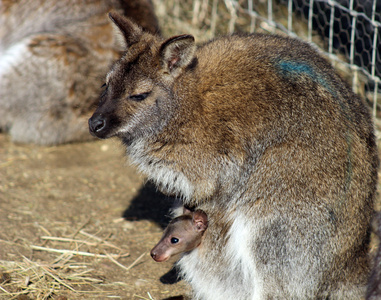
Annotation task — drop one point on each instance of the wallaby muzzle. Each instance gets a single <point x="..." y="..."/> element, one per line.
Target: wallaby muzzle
<point x="97" y="125"/>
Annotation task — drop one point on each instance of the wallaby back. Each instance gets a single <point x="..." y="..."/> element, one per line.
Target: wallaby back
<point x="260" y="133"/>
<point x="53" y="56"/>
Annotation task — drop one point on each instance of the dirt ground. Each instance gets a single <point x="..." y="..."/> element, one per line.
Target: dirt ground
<point x="77" y="221"/>
<point x="79" y="200"/>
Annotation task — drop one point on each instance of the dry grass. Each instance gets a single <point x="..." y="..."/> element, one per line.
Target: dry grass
<point x="45" y="280"/>
<point x="62" y="234"/>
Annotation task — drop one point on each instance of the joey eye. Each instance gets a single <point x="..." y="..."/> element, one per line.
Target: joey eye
<point x="139" y="97"/>
<point x="174" y="240"/>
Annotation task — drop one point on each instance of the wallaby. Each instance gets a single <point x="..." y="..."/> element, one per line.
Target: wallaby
<point x="183" y="234"/>
<point x="260" y="133"/>
<point x="53" y="54"/>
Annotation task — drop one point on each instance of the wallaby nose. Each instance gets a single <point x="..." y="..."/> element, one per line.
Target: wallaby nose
<point x="153" y="254"/>
<point x="96" y="124"/>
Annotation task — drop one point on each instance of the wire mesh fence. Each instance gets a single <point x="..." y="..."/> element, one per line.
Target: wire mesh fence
<point x="348" y="32"/>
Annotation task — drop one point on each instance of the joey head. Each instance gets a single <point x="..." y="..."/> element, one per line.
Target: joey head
<point x="183" y="234"/>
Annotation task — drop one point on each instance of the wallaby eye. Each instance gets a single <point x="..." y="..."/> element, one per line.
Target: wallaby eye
<point x="139" y="97"/>
<point x="104" y="88"/>
<point x="174" y="240"/>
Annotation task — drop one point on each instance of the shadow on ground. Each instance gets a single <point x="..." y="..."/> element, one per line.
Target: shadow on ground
<point x="150" y="204"/>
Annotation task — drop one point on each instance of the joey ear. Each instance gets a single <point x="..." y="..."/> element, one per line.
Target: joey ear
<point x="177" y="52"/>
<point x="200" y="220"/>
<point x="131" y="31"/>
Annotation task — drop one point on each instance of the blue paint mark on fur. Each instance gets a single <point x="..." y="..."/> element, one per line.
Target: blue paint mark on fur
<point x="290" y="66"/>
<point x="293" y="68"/>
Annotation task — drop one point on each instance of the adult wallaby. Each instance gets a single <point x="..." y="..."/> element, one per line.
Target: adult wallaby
<point x="260" y="133"/>
<point x="53" y="55"/>
<point x="183" y="234"/>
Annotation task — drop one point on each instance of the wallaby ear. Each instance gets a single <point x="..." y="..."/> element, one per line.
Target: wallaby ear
<point x="177" y="52"/>
<point x="200" y="220"/>
<point x="131" y="31"/>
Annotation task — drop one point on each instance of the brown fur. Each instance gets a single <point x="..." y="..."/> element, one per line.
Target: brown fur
<point x="374" y="285"/>
<point x="53" y="56"/>
<point x="260" y="133"/>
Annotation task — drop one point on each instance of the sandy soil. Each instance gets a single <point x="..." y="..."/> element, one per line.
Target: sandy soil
<point x="88" y="197"/>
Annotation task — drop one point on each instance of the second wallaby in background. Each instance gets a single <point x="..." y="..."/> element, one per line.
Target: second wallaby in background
<point x="260" y="133"/>
<point x="53" y="55"/>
